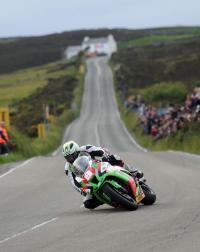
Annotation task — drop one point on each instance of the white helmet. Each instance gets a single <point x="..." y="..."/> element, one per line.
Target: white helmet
<point x="70" y="151"/>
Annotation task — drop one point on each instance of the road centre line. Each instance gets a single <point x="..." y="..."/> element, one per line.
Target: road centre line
<point x="28" y="230"/>
<point x="99" y="103"/>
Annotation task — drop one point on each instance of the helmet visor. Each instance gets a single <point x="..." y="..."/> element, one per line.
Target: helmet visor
<point x="71" y="158"/>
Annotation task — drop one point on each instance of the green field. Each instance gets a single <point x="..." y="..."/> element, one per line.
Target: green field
<point x="163" y="37"/>
<point x="20" y="84"/>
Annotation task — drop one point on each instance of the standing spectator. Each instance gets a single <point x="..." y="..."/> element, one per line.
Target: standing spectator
<point x="3" y="139"/>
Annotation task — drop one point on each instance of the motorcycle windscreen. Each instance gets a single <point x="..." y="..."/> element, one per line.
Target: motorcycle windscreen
<point x="81" y="164"/>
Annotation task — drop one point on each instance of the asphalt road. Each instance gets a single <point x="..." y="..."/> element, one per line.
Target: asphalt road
<point x="40" y="211"/>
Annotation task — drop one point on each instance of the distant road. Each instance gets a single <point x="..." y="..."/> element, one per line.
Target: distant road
<point x="40" y="211"/>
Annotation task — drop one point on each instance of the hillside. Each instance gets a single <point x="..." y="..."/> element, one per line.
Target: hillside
<point x="35" y="51"/>
<point x="142" y="67"/>
<point x="158" y="85"/>
<point x="18" y="53"/>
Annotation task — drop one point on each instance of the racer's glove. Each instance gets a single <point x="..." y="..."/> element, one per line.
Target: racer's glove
<point x="105" y="159"/>
<point x="83" y="193"/>
<point x="138" y="174"/>
<point x="86" y="191"/>
<point x="115" y="160"/>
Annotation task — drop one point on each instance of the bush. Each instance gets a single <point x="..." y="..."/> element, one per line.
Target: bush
<point x="165" y="92"/>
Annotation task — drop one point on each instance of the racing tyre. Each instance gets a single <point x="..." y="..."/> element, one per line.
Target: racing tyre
<point x="119" y="197"/>
<point x="150" y="196"/>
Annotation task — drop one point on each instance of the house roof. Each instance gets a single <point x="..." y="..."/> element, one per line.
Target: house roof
<point x="95" y="41"/>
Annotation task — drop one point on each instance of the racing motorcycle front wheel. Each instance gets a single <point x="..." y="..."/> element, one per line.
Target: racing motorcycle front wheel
<point x="119" y="197"/>
<point x="150" y="196"/>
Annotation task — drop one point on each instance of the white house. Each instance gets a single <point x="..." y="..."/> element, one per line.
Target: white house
<point x="99" y="46"/>
<point x="93" y="46"/>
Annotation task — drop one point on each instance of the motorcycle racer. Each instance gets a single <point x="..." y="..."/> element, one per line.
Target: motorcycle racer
<point x="71" y="151"/>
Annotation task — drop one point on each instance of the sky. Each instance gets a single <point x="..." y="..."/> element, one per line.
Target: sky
<point x="42" y="17"/>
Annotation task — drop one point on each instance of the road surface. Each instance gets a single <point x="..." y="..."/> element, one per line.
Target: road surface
<point x="40" y="211"/>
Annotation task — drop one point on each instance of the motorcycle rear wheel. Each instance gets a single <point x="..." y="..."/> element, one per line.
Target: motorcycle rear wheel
<point x="122" y="199"/>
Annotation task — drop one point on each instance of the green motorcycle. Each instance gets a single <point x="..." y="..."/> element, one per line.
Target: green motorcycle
<point x="113" y="185"/>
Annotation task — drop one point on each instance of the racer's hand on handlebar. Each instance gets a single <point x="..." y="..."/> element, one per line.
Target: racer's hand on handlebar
<point x="86" y="191"/>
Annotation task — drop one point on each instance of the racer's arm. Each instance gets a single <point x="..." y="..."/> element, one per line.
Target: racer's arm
<point x="72" y="178"/>
<point x="79" y="185"/>
<point x="94" y="151"/>
<point x="76" y="182"/>
<point x="102" y="154"/>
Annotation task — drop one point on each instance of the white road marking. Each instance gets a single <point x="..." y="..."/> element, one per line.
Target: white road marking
<point x="125" y="129"/>
<point x="13" y="169"/>
<point x="98" y="75"/>
<point x="131" y="138"/>
<point x="28" y="230"/>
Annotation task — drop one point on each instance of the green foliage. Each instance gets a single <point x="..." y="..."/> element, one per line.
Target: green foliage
<point x="27" y="148"/>
<point x="54" y="135"/>
<point x="165" y="92"/>
<point x="144" y="66"/>
<point x="57" y="93"/>
<point x="64" y="87"/>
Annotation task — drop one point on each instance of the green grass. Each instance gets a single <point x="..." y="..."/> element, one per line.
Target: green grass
<point x="27" y="147"/>
<point x="160" y="38"/>
<point x="22" y="83"/>
<point x="175" y="92"/>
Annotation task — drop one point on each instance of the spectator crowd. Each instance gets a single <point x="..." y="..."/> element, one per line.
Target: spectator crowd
<point x="162" y="122"/>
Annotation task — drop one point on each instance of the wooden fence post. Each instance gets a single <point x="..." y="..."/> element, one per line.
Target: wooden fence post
<point x="41" y="130"/>
<point x="5" y="116"/>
